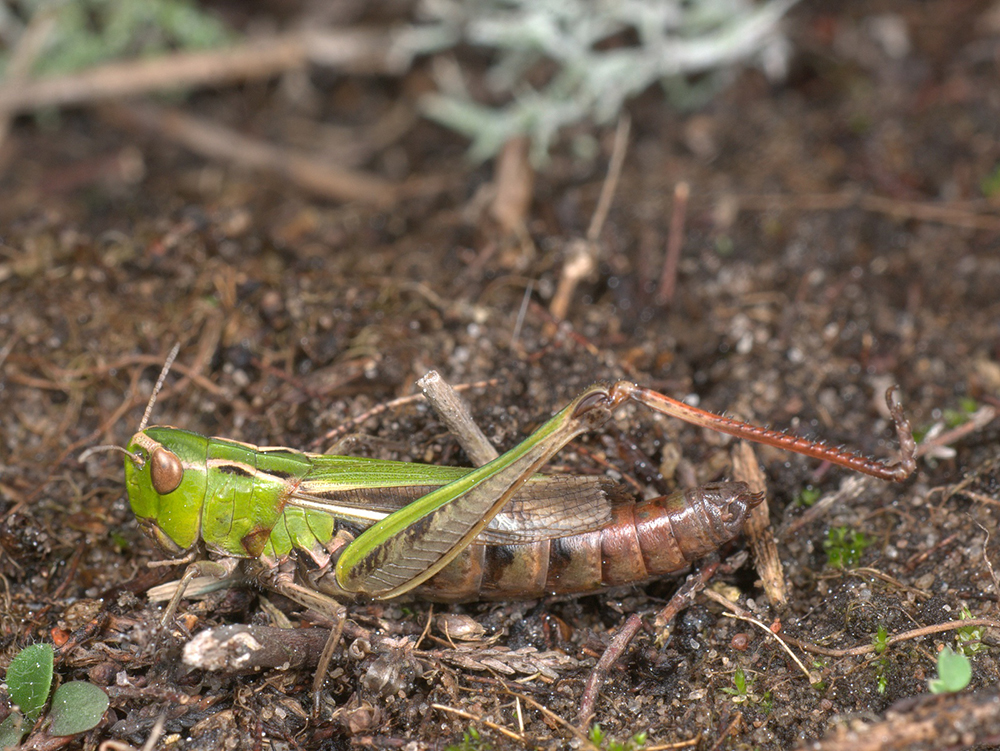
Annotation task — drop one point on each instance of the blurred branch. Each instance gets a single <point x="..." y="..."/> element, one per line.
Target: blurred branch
<point x="217" y="142"/>
<point x="351" y="51"/>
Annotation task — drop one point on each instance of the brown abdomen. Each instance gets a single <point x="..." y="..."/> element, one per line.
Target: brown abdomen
<point x="644" y="540"/>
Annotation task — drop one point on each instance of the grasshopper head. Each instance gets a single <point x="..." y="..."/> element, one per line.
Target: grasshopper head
<point x="165" y="476"/>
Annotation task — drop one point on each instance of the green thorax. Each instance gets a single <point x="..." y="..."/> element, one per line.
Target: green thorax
<point x="246" y="501"/>
<point x="231" y="495"/>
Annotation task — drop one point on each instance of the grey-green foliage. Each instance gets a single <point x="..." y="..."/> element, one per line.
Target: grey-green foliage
<point x="595" y="70"/>
<point x="674" y="39"/>
<point x="88" y="32"/>
<point x="76" y="706"/>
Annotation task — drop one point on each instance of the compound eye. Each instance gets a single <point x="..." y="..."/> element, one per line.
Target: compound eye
<point x="165" y="471"/>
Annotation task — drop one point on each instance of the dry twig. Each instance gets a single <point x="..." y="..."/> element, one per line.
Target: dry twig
<point x="353" y="50"/>
<point x="582" y="259"/>
<point x="492" y="725"/>
<point x="675" y="242"/>
<point x="954" y="215"/>
<point x="378" y="409"/>
<point x="758" y="526"/>
<point x="214" y="141"/>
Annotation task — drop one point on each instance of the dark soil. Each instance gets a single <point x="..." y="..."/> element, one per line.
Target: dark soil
<point x="795" y="307"/>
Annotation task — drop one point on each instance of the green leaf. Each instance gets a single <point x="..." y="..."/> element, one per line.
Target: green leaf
<point x="881" y="640"/>
<point x="12" y="730"/>
<point x="968" y="405"/>
<point x="954" y="672"/>
<point x="807" y="496"/>
<point x="990" y="185"/>
<point x="844" y="547"/>
<point x="29" y="679"/>
<point x="596" y="735"/>
<point x="77" y="707"/>
<point x="970" y="638"/>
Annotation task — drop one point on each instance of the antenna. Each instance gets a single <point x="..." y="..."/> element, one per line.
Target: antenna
<point x="137" y="460"/>
<point x="159" y="385"/>
<point x="85" y="455"/>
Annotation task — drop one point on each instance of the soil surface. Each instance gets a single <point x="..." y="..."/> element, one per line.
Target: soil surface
<point x="841" y="236"/>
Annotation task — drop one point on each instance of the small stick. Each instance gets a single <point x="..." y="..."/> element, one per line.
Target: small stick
<point x="681" y="599"/>
<point x="611" y="182"/>
<point x="346" y="50"/>
<point x="583" y="256"/>
<point x="619" y="643"/>
<point x="954" y="214"/>
<point x="731" y="728"/>
<point x="675" y="242"/>
<point x="241" y="649"/>
<point x="520" y="313"/>
<point x="121" y="363"/>
<point x="8" y="347"/>
<point x="378" y="409"/>
<point x="514" y="187"/>
<point x="214" y="141"/>
<point x="324" y="659"/>
<point x="741" y="614"/>
<point x="758" y="527"/>
<point x="694" y="583"/>
<point x="764" y="627"/>
<point x="553" y="716"/>
<point x="499" y="728"/>
<point x="986" y="560"/>
<point x="977" y="421"/>
<point x="455" y="414"/>
<point x="850" y="490"/>
<point x="934" y="628"/>
<point x="22" y="58"/>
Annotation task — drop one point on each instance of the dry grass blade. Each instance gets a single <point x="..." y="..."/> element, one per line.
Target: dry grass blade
<point x="742" y="615"/>
<point x="492" y="725"/>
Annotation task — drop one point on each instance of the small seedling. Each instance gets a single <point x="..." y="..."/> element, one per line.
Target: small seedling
<point x="950" y="418"/>
<point x="470" y="742"/>
<point x="969" y="638"/>
<point x="807" y="496"/>
<point x="818" y="666"/>
<point x="76" y="706"/>
<point x="844" y="547"/>
<point x="954" y="673"/>
<point x="741" y="688"/>
<point x="967" y="406"/>
<point x="990" y="185"/>
<point x="881" y="676"/>
<point x="120" y="542"/>
<point x="881" y="643"/>
<point x="881" y="640"/>
<point x="596" y="736"/>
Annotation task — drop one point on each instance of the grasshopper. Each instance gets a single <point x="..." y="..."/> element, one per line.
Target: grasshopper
<point x="323" y="529"/>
